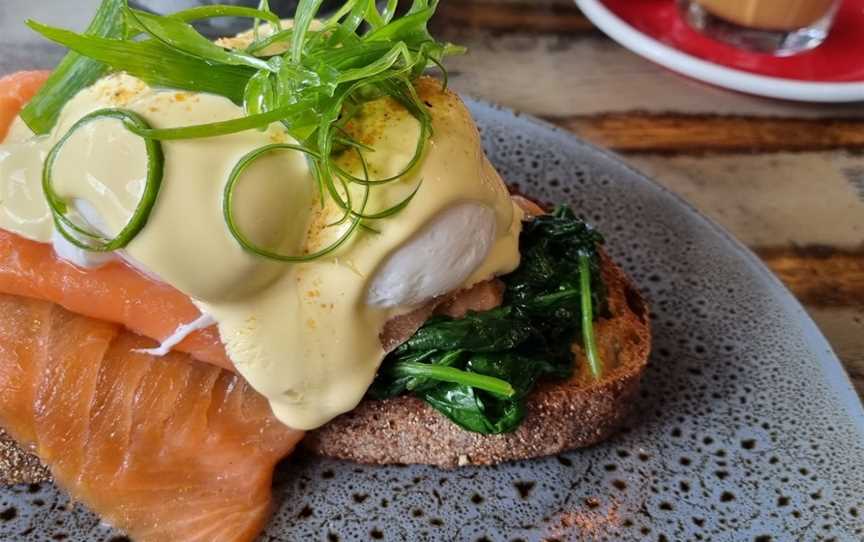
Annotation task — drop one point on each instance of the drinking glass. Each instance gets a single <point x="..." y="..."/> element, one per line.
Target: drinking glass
<point x="777" y="27"/>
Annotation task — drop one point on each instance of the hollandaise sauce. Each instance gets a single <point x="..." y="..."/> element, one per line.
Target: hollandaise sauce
<point x="305" y="334"/>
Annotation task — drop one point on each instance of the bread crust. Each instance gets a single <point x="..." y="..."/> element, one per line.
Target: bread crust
<point x="560" y="415"/>
<point x="404" y="430"/>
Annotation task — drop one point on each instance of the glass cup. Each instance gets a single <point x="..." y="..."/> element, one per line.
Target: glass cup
<point x="777" y="27"/>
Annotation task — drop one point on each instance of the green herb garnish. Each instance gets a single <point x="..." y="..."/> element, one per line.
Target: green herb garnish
<point x="550" y="302"/>
<point x="60" y="208"/>
<point x="476" y="370"/>
<point x="591" y="354"/>
<point x="248" y="244"/>
<point x="75" y="71"/>
<point x="359" y="54"/>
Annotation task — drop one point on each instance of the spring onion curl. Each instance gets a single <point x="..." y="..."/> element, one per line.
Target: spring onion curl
<point x="248" y="244"/>
<point x="330" y="67"/>
<point x="60" y="208"/>
<point x="213" y="129"/>
<point x="595" y="364"/>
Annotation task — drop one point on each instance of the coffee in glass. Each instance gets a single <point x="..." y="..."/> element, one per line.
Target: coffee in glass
<point x="779" y="27"/>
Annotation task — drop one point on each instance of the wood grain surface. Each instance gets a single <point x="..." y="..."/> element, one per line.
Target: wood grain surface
<point x="671" y="132"/>
<point x="786" y="178"/>
<point x="504" y="16"/>
<point x="820" y="276"/>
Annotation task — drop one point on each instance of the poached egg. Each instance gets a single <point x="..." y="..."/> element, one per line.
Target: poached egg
<point x="305" y="335"/>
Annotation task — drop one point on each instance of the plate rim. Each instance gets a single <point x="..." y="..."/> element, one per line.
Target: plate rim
<point x="710" y="72"/>
<point x="610" y="161"/>
<point x="833" y="370"/>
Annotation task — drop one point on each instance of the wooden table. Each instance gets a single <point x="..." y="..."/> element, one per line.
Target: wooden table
<point x="785" y="178"/>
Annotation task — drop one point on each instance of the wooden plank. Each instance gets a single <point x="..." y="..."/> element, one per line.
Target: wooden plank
<point x="642" y="132"/>
<point x="779" y="200"/>
<point x="578" y="74"/>
<point x="819" y="276"/>
<point x="510" y="17"/>
<point x="844" y="329"/>
<point x="802" y="213"/>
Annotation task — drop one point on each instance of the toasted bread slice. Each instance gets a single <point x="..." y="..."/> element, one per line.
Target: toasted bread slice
<point x="19" y="466"/>
<point x="561" y="415"/>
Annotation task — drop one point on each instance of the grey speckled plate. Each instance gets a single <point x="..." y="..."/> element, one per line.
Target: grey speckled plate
<point x="747" y="429"/>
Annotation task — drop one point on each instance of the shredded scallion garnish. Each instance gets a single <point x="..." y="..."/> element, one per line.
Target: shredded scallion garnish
<point x="248" y="244"/>
<point x="153" y="182"/>
<point x="594" y="362"/>
<point x="330" y="67"/>
<point x="442" y="373"/>
<point x="74" y="72"/>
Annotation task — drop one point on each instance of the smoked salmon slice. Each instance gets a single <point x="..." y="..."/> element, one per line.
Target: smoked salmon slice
<point x="15" y="91"/>
<point x="120" y="294"/>
<point x="166" y="449"/>
<point x="114" y="293"/>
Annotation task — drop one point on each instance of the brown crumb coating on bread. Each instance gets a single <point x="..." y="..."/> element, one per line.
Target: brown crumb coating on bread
<point x="18" y="466"/>
<point x="560" y="415"/>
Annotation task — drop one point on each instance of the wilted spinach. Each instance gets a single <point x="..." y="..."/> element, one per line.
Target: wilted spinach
<point x="477" y="370"/>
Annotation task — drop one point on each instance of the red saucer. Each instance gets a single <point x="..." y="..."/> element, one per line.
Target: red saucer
<point x="839" y="59"/>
